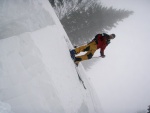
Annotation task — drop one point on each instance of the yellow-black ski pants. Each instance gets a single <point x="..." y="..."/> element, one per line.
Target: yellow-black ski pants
<point x="90" y="48"/>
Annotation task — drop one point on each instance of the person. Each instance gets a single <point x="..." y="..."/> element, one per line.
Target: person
<point x="99" y="42"/>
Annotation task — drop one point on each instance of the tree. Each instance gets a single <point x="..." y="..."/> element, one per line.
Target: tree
<point x="65" y="7"/>
<point x="83" y="19"/>
<point x="83" y="24"/>
<point x="55" y="3"/>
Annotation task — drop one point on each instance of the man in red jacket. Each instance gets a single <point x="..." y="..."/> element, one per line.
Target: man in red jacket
<point x="99" y="42"/>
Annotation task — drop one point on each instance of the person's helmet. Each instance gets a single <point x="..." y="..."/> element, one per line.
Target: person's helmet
<point x="113" y="35"/>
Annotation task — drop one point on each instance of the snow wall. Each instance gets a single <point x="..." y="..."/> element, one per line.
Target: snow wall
<point x="37" y="74"/>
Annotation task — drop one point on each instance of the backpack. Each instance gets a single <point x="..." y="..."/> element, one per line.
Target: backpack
<point x="103" y="35"/>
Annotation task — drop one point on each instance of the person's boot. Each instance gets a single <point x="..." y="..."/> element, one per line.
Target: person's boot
<point x="72" y="53"/>
<point x="77" y="60"/>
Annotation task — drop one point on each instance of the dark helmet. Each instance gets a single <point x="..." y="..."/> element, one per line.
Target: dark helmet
<point x="113" y="35"/>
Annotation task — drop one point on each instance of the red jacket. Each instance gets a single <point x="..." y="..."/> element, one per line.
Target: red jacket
<point x="102" y="41"/>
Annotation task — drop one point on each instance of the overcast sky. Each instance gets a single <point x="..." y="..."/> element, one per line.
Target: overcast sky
<point x="122" y="79"/>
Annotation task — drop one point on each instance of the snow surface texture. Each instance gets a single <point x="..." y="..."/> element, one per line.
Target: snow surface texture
<point x="37" y="74"/>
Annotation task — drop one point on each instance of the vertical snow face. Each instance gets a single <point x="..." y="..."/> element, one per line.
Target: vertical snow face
<point x="37" y="74"/>
<point x="19" y="16"/>
<point x="5" y="108"/>
<point x="25" y="81"/>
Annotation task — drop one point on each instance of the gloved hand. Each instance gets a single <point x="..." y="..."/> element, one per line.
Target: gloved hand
<point x="103" y="56"/>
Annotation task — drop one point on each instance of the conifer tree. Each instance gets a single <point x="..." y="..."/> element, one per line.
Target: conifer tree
<point x="83" y="24"/>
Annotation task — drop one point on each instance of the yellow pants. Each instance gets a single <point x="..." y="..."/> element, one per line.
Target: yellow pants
<point x="90" y="48"/>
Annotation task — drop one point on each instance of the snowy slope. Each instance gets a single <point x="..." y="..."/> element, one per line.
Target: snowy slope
<point x="37" y="74"/>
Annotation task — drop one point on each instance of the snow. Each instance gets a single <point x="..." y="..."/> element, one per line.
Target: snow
<point x="36" y="71"/>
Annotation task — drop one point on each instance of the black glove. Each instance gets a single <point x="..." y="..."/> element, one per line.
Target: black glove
<point x="103" y="56"/>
